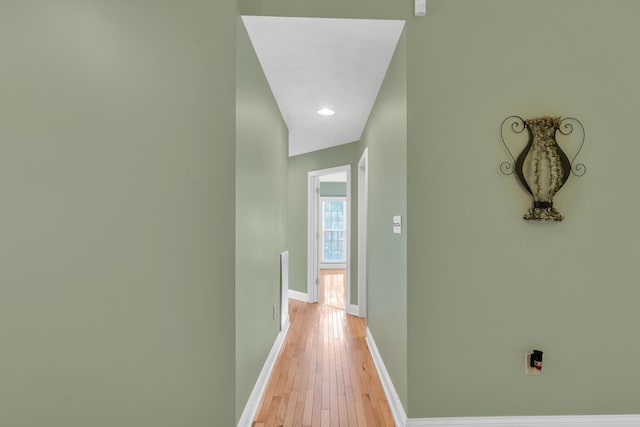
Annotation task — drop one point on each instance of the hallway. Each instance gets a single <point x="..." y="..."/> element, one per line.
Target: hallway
<point x="324" y="375"/>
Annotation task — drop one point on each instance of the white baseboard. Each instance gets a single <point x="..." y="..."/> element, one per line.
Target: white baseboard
<point x="401" y="420"/>
<point x="285" y="323"/>
<point x="251" y="408"/>
<point x="560" y="421"/>
<point x="300" y="296"/>
<point x="361" y="313"/>
<point x="353" y="309"/>
<point x="397" y="410"/>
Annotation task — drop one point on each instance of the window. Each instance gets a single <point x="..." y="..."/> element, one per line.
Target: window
<point x="334" y="230"/>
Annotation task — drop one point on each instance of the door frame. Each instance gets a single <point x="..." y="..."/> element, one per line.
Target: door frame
<point x="363" y="200"/>
<point x="313" y="231"/>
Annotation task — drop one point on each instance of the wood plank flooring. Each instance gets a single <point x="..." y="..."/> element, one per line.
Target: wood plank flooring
<point x="324" y="375"/>
<point x="333" y="284"/>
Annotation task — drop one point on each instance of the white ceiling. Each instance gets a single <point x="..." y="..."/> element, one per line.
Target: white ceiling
<point x="314" y="63"/>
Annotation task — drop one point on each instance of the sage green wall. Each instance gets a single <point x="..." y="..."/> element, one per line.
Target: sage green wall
<point x="478" y="273"/>
<point x="299" y="167"/>
<point x="370" y="9"/>
<point x="485" y="285"/>
<point x="333" y="189"/>
<point x="261" y="213"/>
<point x="386" y="138"/>
<point x="117" y="248"/>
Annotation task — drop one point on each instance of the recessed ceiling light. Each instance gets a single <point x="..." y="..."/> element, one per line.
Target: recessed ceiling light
<point x="326" y="112"/>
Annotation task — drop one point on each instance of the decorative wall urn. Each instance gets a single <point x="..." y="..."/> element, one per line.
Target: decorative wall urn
<point x="542" y="168"/>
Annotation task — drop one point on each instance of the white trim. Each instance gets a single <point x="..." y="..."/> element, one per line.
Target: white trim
<point x="363" y="195"/>
<point x="299" y="296"/>
<point x="559" y="421"/>
<point x="353" y="310"/>
<point x="251" y="408"/>
<point x="397" y="410"/>
<point x="401" y="420"/>
<point x="337" y="177"/>
<point x="333" y="266"/>
<point x="312" y="248"/>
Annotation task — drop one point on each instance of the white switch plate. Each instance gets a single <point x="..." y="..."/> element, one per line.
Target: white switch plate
<point x="528" y="370"/>
<point x="397" y="224"/>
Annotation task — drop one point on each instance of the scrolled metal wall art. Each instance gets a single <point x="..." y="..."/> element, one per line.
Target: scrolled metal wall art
<point x="542" y="168"/>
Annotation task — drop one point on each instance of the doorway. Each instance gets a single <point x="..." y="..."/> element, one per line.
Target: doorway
<point x="329" y="242"/>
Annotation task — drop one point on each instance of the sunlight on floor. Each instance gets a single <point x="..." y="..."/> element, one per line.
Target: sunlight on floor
<point x="333" y="288"/>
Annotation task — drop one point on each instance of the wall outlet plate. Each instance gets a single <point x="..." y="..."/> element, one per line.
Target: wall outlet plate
<point x="528" y="370"/>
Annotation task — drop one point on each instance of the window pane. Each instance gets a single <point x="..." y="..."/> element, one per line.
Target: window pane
<point x="333" y="233"/>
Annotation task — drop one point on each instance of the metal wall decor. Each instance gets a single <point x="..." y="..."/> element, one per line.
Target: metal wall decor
<point x="542" y="168"/>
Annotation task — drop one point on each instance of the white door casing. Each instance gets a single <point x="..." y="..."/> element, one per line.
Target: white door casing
<point x="363" y="194"/>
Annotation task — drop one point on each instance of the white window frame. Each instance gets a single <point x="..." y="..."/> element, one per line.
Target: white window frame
<point x="345" y="231"/>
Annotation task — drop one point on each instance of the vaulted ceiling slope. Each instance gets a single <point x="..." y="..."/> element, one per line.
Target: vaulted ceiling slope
<point x="315" y="63"/>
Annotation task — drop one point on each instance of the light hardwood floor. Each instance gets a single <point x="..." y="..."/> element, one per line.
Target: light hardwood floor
<point x="324" y="375"/>
<point x="333" y="283"/>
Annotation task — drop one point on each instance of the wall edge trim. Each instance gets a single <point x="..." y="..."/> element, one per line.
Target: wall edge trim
<point x="251" y="408"/>
<point x="535" y="421"/>
<point x="298" y="296"/>
<point x="397" y="410"/>
<point x="354" y="310"/>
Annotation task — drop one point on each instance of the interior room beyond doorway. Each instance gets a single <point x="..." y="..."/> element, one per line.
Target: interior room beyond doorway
<point x="333" y="243"/>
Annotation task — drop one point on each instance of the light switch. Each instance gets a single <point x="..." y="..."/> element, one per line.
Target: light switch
<point x="397" y="224"/>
